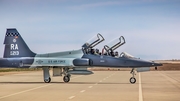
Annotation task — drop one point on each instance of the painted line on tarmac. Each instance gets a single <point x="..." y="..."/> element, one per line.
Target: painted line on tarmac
<point x="82" y="91"/>
<point x="30" y="89"/>
<point x="90" y="86"/>
<point x="24" y="91"/>
<point x="140" y="89"/>
<point x="71" y="97"/>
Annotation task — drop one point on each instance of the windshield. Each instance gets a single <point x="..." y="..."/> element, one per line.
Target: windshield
<point x="126" y="55"/>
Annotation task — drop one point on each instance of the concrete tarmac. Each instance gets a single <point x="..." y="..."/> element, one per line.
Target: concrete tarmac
<point x="101" y="86"/>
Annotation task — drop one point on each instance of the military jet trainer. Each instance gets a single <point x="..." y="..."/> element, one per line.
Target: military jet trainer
<point x="18" y="55"/>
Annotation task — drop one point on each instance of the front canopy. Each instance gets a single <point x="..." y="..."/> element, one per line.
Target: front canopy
<point x="94" y="41"/>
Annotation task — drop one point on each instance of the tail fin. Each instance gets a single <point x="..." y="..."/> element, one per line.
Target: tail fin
<point x="15" y="45"/>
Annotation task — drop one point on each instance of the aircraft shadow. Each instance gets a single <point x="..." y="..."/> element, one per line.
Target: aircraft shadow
<point x="98" y="83"/>
<point x="28" y="82"/>
<point x="64" y="83"/>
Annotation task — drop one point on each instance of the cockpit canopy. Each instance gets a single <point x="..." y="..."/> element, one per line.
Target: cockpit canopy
<point x="88" y="47"/>
<point x="92" y="42"/>
<point x="114" y="44"/>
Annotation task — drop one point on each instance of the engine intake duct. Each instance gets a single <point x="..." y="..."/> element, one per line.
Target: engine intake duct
<point x="81" y="62"/>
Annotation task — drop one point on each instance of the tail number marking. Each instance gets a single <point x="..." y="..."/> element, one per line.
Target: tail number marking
<point x="14" y="52"/>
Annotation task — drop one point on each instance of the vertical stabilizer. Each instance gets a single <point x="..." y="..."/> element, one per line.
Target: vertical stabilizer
<point x="15" y="45"/>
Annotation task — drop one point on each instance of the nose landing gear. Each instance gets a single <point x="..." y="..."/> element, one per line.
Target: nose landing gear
<point x="132" y="80"/>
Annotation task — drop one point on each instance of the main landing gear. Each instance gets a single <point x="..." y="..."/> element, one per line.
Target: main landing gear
<point x="67" y="76"/>
<point x="48" y="80"/>
<point x="132" y="79"/>
<point x="46" y="75"/>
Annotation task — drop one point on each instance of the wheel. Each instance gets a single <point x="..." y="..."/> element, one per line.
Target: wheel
<point x="66" y="79"/>
<point x="47" y="80"/>
<point x="132" y="80"/>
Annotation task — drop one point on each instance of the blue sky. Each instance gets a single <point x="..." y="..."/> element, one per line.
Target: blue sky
<point x="151" y="27"/>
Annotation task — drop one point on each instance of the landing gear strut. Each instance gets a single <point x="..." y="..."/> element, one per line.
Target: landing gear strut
<point x="46" y="74"/>
<point x="132" y="79"/>
<point x="67" y="76"/>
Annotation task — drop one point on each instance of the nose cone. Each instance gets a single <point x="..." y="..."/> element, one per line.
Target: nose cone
<point x="143" y="63"/>
<point x="153" y="64"/>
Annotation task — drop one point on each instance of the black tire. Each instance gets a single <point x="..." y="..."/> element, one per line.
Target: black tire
<point x="47" y="80"/>
<point x="66" y="79"/>
<point x="132" y="80"/>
